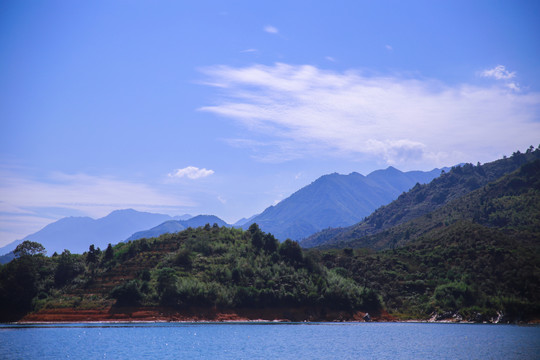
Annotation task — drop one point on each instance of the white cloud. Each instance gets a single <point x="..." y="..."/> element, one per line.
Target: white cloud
<point x="513" y="86"/>
<point x="191" y="172"/>
<point x="305" y="111"/>
<point x="389" y="48"/>
<point x="271" y="29"/>
<point x="499" y="72"/>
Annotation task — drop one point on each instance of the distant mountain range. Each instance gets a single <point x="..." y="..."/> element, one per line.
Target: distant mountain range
<point x="331" y="201"/>
<point x="173" y="226"/>
<point x="335" y="201"/>
<point x="400" y="221"/>
<point x="76" y="234"/>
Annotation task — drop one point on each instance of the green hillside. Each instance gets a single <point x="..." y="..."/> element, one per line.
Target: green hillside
<point x="476" y="256"/>
<point x="464" y="270"/>
<point x="209" y="266"/>
<point x="423" y="199"/>
<point x="510" y="204"/>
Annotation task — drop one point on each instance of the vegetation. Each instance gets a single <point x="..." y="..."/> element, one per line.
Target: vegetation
<point x="475" y="256"/>
<point x="510" y="204"/>
<point x="210" y="266"/>
<point x="422" y="200"/>
<point x="464" y="269"/>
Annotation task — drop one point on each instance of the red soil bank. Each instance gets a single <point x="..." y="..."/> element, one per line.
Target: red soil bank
<point x="198" y="314"/>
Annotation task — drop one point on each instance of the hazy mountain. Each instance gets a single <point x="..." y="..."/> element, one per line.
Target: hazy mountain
<point x="336" y="200"/>
<point x="7" y="257"/>
<point x="182" y="217"/>
<point x="244" y="221"/>
<point x="173" y="226"/>
<point x="77" y="233"/>
<point x="422" y="200"/>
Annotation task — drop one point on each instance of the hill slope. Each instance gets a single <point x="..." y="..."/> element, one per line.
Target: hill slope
<point x="423" y="199"/>
<point x="206" y="268"/>
<point x="336" y="200"/>
<point x="510" y="205"/>
<point x="173" y="226"/>
<point x="474" y="258"/>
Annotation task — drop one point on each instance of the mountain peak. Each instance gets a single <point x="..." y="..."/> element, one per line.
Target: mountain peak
<point x="334" y="200"/>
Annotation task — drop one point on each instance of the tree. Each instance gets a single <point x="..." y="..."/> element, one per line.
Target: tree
<point x="91" y="256"/>
<point x="29" y="248"/>
<point x="109" y="253"/>
<point x="167" y="286"/>
<point x="270" y="244"/>
<point x="256" y="236"/>
<point x="127" y="294"/>
<point x="291" y="251"/>
<point x="69" y="266"/>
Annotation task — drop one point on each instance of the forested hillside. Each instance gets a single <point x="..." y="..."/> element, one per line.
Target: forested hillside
<point x="210" y="266"/>
<point x="423" y="199"/>
<point x="475" y="257"/>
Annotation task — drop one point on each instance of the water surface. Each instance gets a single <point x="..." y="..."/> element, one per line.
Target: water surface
<point x="269" y="341"/>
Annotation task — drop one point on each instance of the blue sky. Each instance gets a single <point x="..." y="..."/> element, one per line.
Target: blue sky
<point x="227" y="107"/>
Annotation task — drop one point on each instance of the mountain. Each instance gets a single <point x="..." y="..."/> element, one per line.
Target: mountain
<point x="336" y="200"/>
<point x="476" y="257"/>
<point x="420" y="201"/>
<point x="76" y="234"/>
<point x="244" y="221"/>
<point x="173" y="226"/>
<point x="182" y="217"/>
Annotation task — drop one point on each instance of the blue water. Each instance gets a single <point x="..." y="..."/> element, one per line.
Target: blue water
<point x="269" y="341"/>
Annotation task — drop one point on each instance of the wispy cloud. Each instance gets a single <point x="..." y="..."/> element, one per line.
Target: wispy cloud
<point x="191" y="172"/>
<point x="271" y="29"/>
<point x="499" y="72"/>
<point x="403" y="121"/>
<point x="389" y="47"/>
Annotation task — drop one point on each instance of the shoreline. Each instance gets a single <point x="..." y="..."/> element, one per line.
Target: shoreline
<point x="194" y="314"/>
<point x="254" y="322"/>
<point x="156" y="315"/>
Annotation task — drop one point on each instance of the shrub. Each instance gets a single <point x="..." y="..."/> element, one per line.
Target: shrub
<point x="127" y="294"/>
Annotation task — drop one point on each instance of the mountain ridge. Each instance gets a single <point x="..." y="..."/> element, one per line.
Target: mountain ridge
<point x="335" y="200"/>
<point x="76" y="234"/>
<point x="423" y="199"/>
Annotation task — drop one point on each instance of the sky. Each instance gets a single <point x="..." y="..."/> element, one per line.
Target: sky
<point x="228" y="107"/>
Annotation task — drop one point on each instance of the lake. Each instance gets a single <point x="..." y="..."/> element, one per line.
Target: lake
<point x="269" y="341"/>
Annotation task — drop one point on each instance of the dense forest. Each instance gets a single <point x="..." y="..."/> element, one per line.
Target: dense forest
<point x="208" y="266"/>
<point x="474" y="256"/>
